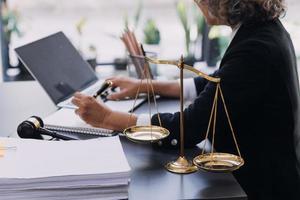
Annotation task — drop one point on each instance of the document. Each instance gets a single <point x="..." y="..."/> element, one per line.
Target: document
<point x="63" y="169"/>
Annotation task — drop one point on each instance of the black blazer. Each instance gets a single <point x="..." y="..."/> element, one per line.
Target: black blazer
<point x="260" y="84"/>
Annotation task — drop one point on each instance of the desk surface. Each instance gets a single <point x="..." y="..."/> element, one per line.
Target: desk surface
<point x="149" y="179"/>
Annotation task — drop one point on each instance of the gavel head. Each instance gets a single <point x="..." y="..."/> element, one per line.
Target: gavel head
<point x="29" y="128"/>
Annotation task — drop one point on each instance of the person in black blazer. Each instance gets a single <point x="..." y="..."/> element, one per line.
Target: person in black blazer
<point x="260" y="83"/>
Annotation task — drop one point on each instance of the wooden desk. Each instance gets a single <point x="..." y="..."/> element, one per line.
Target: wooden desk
<point x="149" y="179"/>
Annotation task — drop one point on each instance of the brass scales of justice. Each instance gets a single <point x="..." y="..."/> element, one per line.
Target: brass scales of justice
<point x="212" y="161"/>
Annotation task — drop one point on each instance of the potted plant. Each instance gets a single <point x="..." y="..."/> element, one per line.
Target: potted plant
<point x="10" y="26"/>
<point x="151" y="37"/>
<point x="151" y="33"/>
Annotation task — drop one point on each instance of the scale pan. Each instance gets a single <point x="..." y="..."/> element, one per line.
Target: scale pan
<point x="146" y="134"/>
<point x="218" y="162"/>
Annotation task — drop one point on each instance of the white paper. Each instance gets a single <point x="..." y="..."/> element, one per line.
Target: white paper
<point x="37" y="158"/>
<point x="66" y="117"/>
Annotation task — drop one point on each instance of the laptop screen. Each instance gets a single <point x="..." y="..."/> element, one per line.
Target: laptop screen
<point x="57" y="66"/>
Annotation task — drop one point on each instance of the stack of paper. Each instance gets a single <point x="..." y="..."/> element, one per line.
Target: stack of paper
<point x="91" y="169"/>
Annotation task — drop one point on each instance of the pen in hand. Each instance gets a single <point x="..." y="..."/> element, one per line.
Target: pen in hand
<point x="104" y="86"/>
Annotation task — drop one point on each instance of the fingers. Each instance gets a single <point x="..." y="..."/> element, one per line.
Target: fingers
<point x="77" y="99"/>
<point x="81" y="100"/>
<point x="116" y="81"/>
<point x="76" y="102"/>
<point x="84" y="103"/>
<point x="117" y="95"/>
<point x="77" y="111"/>
<point x="79" y="95"/>
<point x="89" y="109"/>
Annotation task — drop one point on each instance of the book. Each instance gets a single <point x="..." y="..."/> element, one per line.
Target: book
<point x="65" y="120"/>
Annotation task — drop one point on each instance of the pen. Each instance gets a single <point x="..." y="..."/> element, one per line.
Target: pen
<point x="104" y="86"/>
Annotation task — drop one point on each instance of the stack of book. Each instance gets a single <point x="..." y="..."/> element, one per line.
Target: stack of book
<point x="90" y="169"/>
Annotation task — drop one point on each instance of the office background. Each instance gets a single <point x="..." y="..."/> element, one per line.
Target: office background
<point x="94" y="27"/>
<point x="102" y="22"/>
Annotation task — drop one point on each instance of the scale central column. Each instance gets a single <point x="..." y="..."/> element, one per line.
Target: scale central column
<point x="181" y="165"/>
<point x="181" y="109"/>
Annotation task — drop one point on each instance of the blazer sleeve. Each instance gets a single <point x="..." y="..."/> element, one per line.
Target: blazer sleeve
<point x="243" y="83"/>
<point x="200" y="83"/>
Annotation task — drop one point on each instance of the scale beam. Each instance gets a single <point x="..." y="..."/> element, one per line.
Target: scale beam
<point x="187" y="67"/>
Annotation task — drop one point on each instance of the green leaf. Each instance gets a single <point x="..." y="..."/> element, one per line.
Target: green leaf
<point x="138" y="13"/>
<point x="151" y="33"/>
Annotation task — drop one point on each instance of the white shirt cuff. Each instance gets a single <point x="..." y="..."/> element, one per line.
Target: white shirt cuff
<point x="189" y="95"/>
<point x="189" y="89"/>
<point x="143" y="120"/>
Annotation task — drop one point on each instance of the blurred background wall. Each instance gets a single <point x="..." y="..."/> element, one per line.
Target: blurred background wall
<point x="94" y="26"/>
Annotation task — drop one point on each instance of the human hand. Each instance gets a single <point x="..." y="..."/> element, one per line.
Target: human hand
<point x="91" y="111"/>
<point x="128" y="87"/>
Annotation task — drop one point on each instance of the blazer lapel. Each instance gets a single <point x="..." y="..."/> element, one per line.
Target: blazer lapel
<point x="243" y="33"/>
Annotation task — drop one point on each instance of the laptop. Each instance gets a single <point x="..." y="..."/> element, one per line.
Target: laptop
<point x="55" y="63"/>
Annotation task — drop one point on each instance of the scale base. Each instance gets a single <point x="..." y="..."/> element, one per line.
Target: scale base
<point x="181" y="166"/>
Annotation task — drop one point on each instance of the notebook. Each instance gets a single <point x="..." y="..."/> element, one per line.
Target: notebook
<point x="66" y="121"/>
